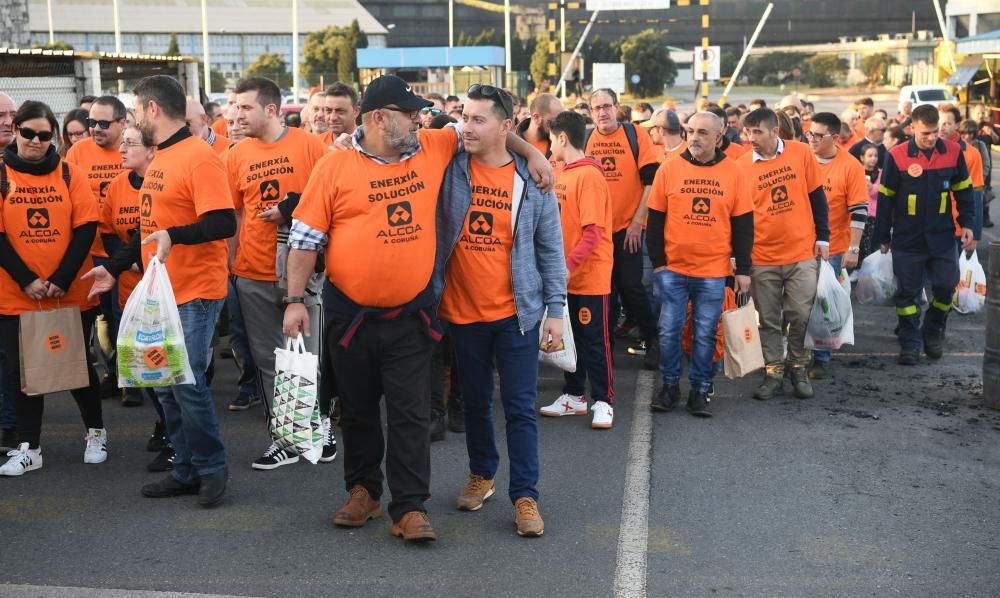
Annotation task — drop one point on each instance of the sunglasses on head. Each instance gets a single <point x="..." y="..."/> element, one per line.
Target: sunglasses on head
<point x="103" y="124"/>
<point x="30" y="134"/>
<point x="496" y="94"/>
<point x="431" y="111"/>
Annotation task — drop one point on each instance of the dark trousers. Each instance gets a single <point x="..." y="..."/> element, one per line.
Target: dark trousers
<point x="389" y="358"/>
<point x="477" y="347"/>
<point x="445" y="393"/>
<point x="942" y="274"/>
<point x="626" y="278"/>
<point x="29" y="409"/>
<point x="593" y="348"/>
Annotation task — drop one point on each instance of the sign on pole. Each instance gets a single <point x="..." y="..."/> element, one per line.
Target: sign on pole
<point x="610" y="75"/>
<point x="714" y="63"/>
<point x="626" y="4"/>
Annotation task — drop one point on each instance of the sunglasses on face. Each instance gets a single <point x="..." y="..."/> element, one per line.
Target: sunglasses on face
<point x="496" y="94"/>
<point x="431" y="111"/>
<point x="30" y="134"/>
<point x="102" y="124"/>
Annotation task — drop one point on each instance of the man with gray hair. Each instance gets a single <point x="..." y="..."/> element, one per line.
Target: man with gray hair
<point x="874" y="134"/>
<point x="7" y="109"/>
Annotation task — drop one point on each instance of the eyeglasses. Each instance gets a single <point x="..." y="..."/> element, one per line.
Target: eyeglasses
<point x="410" y="113"/>
<point x="77" y="134"/>
<point x="103" y="124"/>
<point x="495" y="94"/>
<point x="431" y="111"/>
<point x="30" y="134"/>
<point x="816" y="136"/>
<point x="131" y="144"/>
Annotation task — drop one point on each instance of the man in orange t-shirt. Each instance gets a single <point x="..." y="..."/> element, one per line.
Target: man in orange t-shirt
<point x="197" y="122"/>
<point x="341" y="110"/>
<point x="791" y="229"/>
<point x="585" y="213"/>
<point x="665" y="131"/>
<point x="950" y="118"/>
<point x="183" y="217"/>
<point x="700" y="216"/>
<point x="220" y="126"/>
<point x="846" y="191"/>
<point x="99" y="159"/>
<point x="502" y="262"/>
<point x="535" y="130"/>
<point x="272" y="165"/>
<point x="629" y="172"/>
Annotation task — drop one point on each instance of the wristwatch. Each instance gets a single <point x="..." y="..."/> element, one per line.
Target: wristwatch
<point x="854" y="250"/>
<point x="288" y="300"/>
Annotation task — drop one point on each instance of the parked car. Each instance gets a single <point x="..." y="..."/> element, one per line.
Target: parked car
<point x="934" y="95"/>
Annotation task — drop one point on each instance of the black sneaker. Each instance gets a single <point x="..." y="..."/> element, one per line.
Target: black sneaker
<point x="132" y="398"/>
<point x="639" y="349"/>
<point x="227" y="354"/>
<point x="651" y="360"/>
<point x="697" y="404"/>
<point x="168" y="487"/>
<point x="667" y="399"/>
<point x="456" y="421"/>
<point x="711" y="390"/>
<point x="275" y="457"/>
<point x="243" y="402"/>
<point x="8" y="440"/>
<point x="158" y="439"/>
<point x="909" y="357"/>
<point x="163" y="461"/>
<point x="933" y="344"/>
<point x="109" y="388"/>
<point x="438" y="427"/>
<point x="329" y="442"/>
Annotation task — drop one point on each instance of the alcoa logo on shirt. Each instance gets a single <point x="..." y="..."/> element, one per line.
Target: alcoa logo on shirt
<point x="701" y="208"/>
<point x="399" y="217"/>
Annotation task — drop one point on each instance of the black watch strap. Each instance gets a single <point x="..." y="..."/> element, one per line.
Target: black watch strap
<point x="288" y="300"/>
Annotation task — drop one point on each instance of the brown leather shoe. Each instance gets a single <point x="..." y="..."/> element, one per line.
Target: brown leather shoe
<point x="358" y="509"/>
<point x="414" y="527"/>
<point x="529" y="521"/>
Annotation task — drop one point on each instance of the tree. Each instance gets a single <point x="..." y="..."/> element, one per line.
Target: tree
<point x="331" y="54"/>
<point x="727" y="64"/>
<point x="824" y="70"/>
<point x="876" y="67"/>
<point x="772" y="68"/>
<point x="347" y="64"/>
<point x="273" y="67"/>
<point x="540" y="61"/>
<point x="219" y="81"/>
<point x="172" y="48"/>
<point x="646" y="54"/>
<point x="601" y="51"/>
<point x="56" y="45"/>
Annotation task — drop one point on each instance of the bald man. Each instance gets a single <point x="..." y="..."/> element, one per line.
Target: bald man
<point x="7" y="110"/>
<point x="219" y="126"/>
<point x="535" y="130"/>
<point x="198" y="124"/>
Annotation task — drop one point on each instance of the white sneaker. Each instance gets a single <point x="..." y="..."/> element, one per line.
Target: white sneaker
<point x="604" y="415"/>
<point x="275" y="457"/>
<point x="97" y="446"/>
<point x="565" y="405"/>
<point x="329" y="441"/>
<point x="22" y="459"/>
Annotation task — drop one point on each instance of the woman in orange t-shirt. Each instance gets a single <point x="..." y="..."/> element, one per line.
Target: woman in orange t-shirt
<point x="48" y="220"/>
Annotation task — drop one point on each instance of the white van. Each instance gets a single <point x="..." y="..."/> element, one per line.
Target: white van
<point x="934" y="95"/>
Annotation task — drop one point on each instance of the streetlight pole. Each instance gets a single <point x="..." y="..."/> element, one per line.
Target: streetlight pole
<point x="451" y="44"/>
<point x="295" y="51"/>
<point x="506" y="39"/>
<point x="52" y="35"/>
<point x="204" y="47"/>
<point x="562" y="38"/>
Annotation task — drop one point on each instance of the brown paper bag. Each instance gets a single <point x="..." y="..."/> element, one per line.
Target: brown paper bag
<point x="53" y="351"/>
<point x="742" y="338"/>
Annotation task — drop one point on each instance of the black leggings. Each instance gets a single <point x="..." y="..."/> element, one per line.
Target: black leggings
<point x="29" y="409"/>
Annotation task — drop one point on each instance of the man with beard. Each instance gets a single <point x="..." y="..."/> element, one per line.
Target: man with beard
<point x="197" y="122"/>
<point x="341" y="110"/>
<point x="535" y="130"/>
<point x="316" y="113"/>
<point x="379" y="201"/>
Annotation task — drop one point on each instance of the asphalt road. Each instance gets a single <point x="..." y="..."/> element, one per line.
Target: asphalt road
<point x="885" y="484"/>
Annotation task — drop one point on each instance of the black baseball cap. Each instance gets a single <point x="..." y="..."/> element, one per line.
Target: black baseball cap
<point x="391" y="90"/>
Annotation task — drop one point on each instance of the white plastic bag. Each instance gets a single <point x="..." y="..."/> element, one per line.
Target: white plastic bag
<point x="845" y="281"/>
<point x="831" y="321"/>
<point x="151" y="349"/>
<point x="296" y="423"/>
<point x="970" y="295"/>
<point x="565" y="358"/>
<point x="876" y="284"/>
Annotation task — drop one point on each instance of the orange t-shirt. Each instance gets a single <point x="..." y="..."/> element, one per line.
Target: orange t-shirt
<point x="845" y="186"/>
<point x="38" y="217"/>
<point x="847" y="145"/>
<point x="379" y="218"/>
<point x="119" y="217"/>
<point x="584" y="200"/>
<point x="478" y="286"/>
<point x="670" y="153"/>
<point x="221" y="144"/>
<point x="621" y="171"/>
<point x="698" y="202"/>
<point x="260" y="176"/>
<point x="540" y="145"/>
<point x="734" y="150"/>
<point x="327" y="138"/>
<point x="974" y="162"/>
<point x="784" y="231"/>
<point x="186" y="180"/>
<point x="219" y="127"/>
<point x="100" y="166"/>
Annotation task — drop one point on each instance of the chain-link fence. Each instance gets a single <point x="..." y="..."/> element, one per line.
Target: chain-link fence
<point x="49" y="78"/>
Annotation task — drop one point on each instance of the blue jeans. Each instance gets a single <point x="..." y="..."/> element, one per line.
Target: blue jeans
<point x="477" y="347"/>
<point x="189" y="416"/>
<point x="835" y="262"/>
<point x="8" y="418"/>
<point x="249" y="381"/>
<point x="706" y="296"/>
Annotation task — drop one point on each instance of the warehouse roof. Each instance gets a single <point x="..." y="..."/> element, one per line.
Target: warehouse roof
<point x="184" y="16"/>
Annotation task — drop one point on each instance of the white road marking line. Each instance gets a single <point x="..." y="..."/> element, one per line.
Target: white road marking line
<point x="633" y="534"/>
<point x="896" y="354"/>
<point x="25" y="591"/>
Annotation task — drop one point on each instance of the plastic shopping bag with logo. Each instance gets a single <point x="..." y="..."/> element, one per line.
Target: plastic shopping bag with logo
<point x="831" y="321"/>
<point x="741" y="335"/>
<point x="970" y="295"/>
<point x="151" y="349"/>
<point x="564" y="358"/>
<point x="296" y="423"/>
